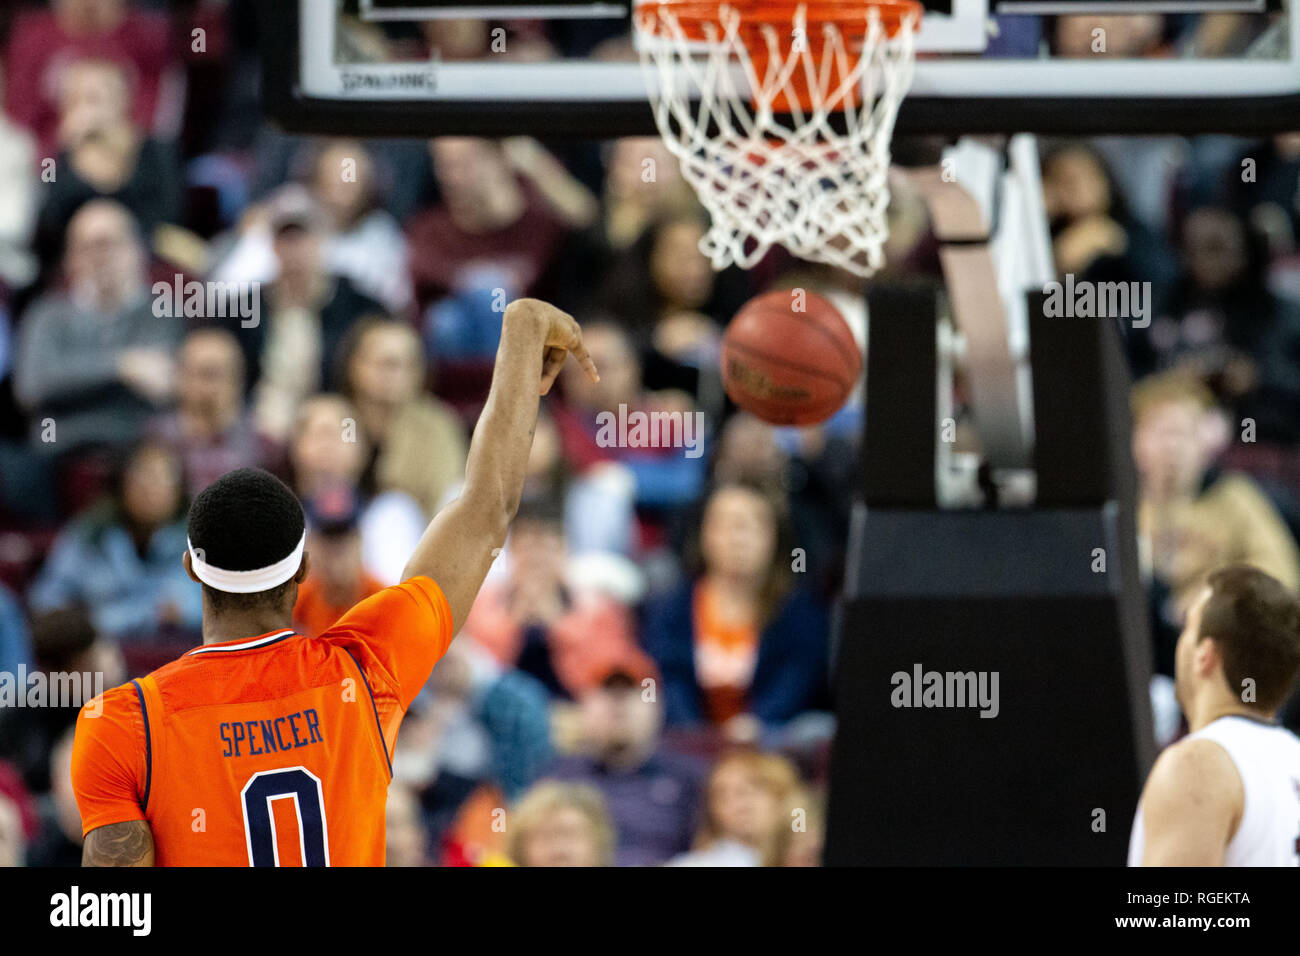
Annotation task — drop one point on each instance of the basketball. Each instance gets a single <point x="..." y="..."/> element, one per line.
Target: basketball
<point x="789" y="358"/>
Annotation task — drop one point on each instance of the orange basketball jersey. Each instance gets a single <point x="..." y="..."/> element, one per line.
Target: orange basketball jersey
<point x="273" y="750"/>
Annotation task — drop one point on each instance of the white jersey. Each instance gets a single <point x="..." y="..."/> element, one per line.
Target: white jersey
<point x="1267" y="758"/>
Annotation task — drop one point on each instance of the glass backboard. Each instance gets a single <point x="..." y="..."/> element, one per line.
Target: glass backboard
<point x="560" y="67"/>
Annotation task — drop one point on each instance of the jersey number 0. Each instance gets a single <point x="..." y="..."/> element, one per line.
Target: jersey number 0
<point x="292" y="783"/>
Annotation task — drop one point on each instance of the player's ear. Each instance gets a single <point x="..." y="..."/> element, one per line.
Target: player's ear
<point x="189" y="567"/>
<point x="1206" y="654"/>
<point x="303" y="568"/>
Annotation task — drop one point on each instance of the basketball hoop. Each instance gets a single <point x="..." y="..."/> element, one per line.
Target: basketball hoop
<point x="745" y="97"/>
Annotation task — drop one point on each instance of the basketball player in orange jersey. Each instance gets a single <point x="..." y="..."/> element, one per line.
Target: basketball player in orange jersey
<point x="264" y="748"/>
<point x="1228" y="794"/>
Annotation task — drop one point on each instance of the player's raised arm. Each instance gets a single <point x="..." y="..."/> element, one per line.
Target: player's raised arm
<point x="457" y="548"/>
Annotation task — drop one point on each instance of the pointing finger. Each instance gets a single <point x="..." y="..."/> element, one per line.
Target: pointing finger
<point x="580" y="353"/>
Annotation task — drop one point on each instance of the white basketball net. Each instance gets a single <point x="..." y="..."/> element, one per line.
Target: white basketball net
<point x="768" y="180"/>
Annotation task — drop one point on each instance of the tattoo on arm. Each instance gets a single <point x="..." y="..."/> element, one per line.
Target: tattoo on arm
<point x="119" y="844"/>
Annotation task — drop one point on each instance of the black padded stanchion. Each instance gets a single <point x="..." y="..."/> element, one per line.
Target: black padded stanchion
<point x="897" y="459"/>
<point x="992" y="665"/>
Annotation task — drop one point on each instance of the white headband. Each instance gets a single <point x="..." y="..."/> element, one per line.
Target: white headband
<point x="247" y="582"/>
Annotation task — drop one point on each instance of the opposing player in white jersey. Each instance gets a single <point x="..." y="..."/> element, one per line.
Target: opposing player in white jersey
<point x="1228" y="794"/>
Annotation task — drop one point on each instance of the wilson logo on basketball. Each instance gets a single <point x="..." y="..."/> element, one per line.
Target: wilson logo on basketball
<point x="758" y="384"/>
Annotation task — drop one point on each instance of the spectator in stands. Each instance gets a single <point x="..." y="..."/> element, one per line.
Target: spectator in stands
<point x="418" y="444"/>
<point x="1124" y="36"/>
<point x="336" y="579"/>
<point x="1271" y="201"/>
<point x="652" y="793"/>
<point x="475" y="731"/>
<point x="12" y="839"/>
<point x="738" y="642"/>
<point x="120" y="559"/>
<point x="747" y="451"/>
<point x="665" y="477"/>
<point x="643" y="184"/>
<point x="1141" y="168"/>
<point x="18" y="204"/>
<point x="1224" y="34"/>
<point x="64" y="643"/>
<point x="533" y="619"/>
<point x="666" y="293"/>
<point x="507" y="707"/>
<point x="749" y="803"/>
<point x="406" y="840"/>
<point x="506" y="210"/>
<point x="15" y="645"/>
<point x="665" y="288"/>
<point x="559" y="824"/>
<point x="327" y="448"/>
<point x="404" y="171"/>
<point x="103" y="154"/>
<point x="1193" y="518"/>
<point x="60" y="840"/>
<point x="209" y="427"/>
<point x="15" y="794"/>
<point x="598" y="507"/>
<point x="811" y="468"/>
<point x="1095" y="238"/>
<point x="1224" y="325"/>
<point x="447" y="38"/>
<point x="304" y="316"/>
<point x="95" y="359"/>
<point x="6" y="346"/>
<point x="802" y="843"/>
<point x="475" y="836"/>
<point x="364" y="242"/>
<point x="43" y="44"/>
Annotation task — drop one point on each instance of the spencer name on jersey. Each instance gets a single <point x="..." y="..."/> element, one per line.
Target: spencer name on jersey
<point x="257" y="737"/>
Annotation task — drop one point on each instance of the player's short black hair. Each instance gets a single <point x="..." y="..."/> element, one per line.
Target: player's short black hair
<point x="1256" y="621"/>
<point x="246" y="519"/>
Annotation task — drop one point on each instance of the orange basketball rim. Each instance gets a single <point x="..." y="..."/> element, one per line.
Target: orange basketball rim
<point x="770" y="30"/>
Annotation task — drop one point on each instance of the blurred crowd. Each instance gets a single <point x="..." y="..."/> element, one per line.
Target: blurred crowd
<point x="646" y="676"/>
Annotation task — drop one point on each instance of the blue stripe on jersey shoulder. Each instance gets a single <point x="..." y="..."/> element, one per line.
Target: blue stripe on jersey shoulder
<point x="375" y="709"/>
<point x="148" y="744"/>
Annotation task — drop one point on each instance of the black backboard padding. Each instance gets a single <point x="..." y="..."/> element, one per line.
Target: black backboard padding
<point x="1019" y="592"/>
<point x="916" y="554"/>
<point x="1081" y="448"/>
<point x="896" y="468"/>
<point x="940" y="787"/>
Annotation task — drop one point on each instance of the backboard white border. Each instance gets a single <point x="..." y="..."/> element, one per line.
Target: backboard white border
<point x="578" y="81"/>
